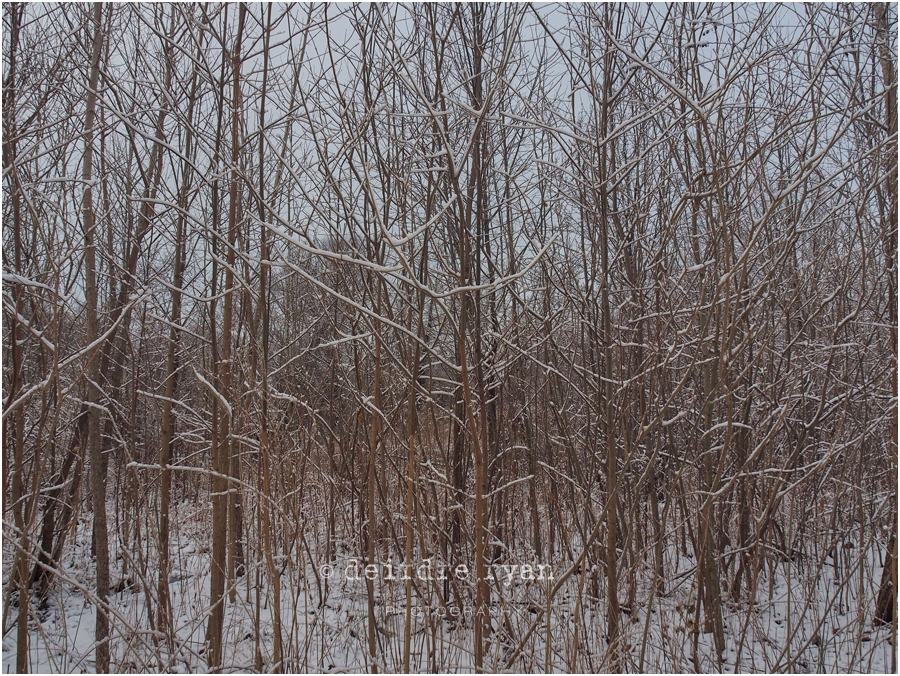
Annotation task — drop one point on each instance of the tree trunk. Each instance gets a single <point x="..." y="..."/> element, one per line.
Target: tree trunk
<point x="98" y="478"/>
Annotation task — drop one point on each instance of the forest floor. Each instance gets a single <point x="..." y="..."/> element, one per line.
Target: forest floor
<point x="808" y="618"/>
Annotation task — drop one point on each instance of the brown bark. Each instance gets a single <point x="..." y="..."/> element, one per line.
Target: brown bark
<point x="98" y="478"/>
<point x="221" y="448"/>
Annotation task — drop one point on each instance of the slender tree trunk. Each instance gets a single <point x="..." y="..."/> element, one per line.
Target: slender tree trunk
<point x="274" y="575"/>
<point x="20" y="558"/>
<point x="412" y="431"/>
<point x="234" y="558"/>
<point x="886" y="605"/>
<point x="371" y="529"/>
<point x="98" y="478"/>
<point x="221" y="448"/>
<point x="609" y="412"/>
<point x="172" y="365"/>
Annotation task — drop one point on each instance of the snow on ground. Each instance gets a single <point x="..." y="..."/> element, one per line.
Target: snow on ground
<point x="807" y="618"/>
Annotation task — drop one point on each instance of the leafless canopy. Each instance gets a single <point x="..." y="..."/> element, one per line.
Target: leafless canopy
<point x="597" y="303"/>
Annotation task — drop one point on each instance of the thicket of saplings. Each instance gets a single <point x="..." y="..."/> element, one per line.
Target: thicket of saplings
<point x="449" y="337"/>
